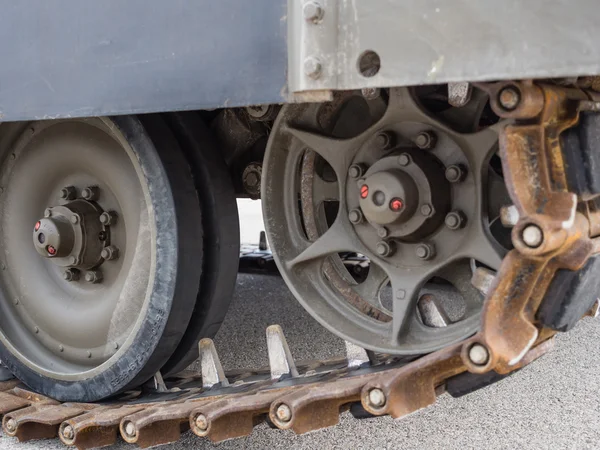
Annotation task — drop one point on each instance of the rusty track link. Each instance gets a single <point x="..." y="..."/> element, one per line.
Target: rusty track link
<point x="553" y="232"/>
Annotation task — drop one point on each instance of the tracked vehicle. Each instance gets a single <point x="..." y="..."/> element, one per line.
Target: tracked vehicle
<point x="452" y="152"/>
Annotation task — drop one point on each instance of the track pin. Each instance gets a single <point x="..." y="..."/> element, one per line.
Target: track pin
<point x="281" y="361"/>
<point x="212" y="370"/>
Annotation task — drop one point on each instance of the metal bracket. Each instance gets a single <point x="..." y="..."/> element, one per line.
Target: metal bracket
<point x="434" y="41"/>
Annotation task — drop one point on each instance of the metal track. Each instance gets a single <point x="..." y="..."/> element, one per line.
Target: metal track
<point x="555" y="231"/>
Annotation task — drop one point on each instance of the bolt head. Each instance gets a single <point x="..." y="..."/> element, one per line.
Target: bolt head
<point x="75" y="219"/>
<point x="383" y="140"/>
<point x="479" y="354"/>
<point x="284" y="413"/>
<point x="404" y="159"/>
<point x="71" y="275"/>
<point x="93" y="276"/>
<point x="509" y="98"/>
<point x="90" y="193"/>
<point x="376" y="398"/>
<point x="47" y="213"/>
<point x="108" y="218"/>
<point x="355" y="216"/>
<point x="532" y="236"/>
<point x="202" y="422"/>
<point x="427" y="210"/>
<point x="425" y="251"/>
<point x="425" y="140"/>
<point x="370" y="93"/>
<point x="312" y="67"/>
<point x="455" y="173"/>
<point x="109" y="253"/>
<point x="455" y="220"/>
<point x="68" y="193"/>
<point x="383" y="232"/>
<point x="356" y="171"/>
<point x="68" y="432"/>
<point x="73" y="260"/>
<point x="384" y="249"/>
<point x="313" y="12"/>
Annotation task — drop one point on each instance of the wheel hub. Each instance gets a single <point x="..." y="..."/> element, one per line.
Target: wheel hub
<point x="73" y="235"/>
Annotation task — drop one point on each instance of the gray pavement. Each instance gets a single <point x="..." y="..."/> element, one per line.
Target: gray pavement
<point x="554" y="403"/>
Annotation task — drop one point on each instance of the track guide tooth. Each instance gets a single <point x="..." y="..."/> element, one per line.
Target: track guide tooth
<point x="357" y="356"/>
<point x="281" y="361"/>
<point x="212" y="370"/>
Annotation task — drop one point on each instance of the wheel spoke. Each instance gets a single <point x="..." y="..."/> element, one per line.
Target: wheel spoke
<point x="336" y="239"/>
<point x="405" y="290"/>
<point x="337" y="152"/>
<point x="483" y="248"/>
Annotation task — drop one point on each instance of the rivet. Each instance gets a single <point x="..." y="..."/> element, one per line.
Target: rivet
<point x="312" y="67"/>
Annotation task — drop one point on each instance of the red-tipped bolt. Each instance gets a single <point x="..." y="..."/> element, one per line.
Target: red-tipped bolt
<point x="364" y="191"/>
<point x="51" y="250"/>
<point x="396" y="204"/>
<point x="38" y="224"/>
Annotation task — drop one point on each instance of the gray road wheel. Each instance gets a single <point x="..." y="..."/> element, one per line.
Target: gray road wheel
<point x="384" y="178"/>
<point x="101" y="253"/>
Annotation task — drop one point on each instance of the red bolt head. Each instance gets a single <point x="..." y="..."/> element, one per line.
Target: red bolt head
<point x="51" y="250"/>
<point x="38" y="224"/>
<point x="364" y="191"/>
<point x="396" y="204"/>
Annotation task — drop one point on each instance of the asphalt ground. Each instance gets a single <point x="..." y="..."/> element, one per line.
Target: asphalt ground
<point x="554" y="403"/>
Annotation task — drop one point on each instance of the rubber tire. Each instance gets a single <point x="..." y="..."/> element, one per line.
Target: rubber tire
<point x="220" y="223"/>
<point x="178" y="249"/>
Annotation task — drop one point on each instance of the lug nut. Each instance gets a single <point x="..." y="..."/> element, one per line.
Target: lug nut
<point x="479" y="355"/>
<point x="11" y="425"/>
<point x="108" y="218"/>
<point x="426" y="140"/>
<point x="93" y="276"/>
<point x="109" y="253"/>
<point x="356" y="170"/>
<point x="201" y="422"/>
<point x="376" y="398"/>
<point x="509" y="98"/>
<point x="68" y="432"/>
<point x="313" y="12"/>
<point x="383" y="232"/>
<point x="68" y="193"/>
<point x="284" y="413"/>
<point x="455" y="220"/>
<point x="71" y="275"/>
<point x="385" y="249"/>
<point x="355" y="216"/>
<point x="532" y="236"/>
<point x="90" y="193"/>
<point x="47" y="213"/>
<point x="75" y="219"/>
<point x="312" y="67"/>
<point x="425" y="251"/>
<point x="384" y="140"/>
<point x="427" y="210"/>
<point x="404" y="159"/>
<point x="455" y="173"/>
